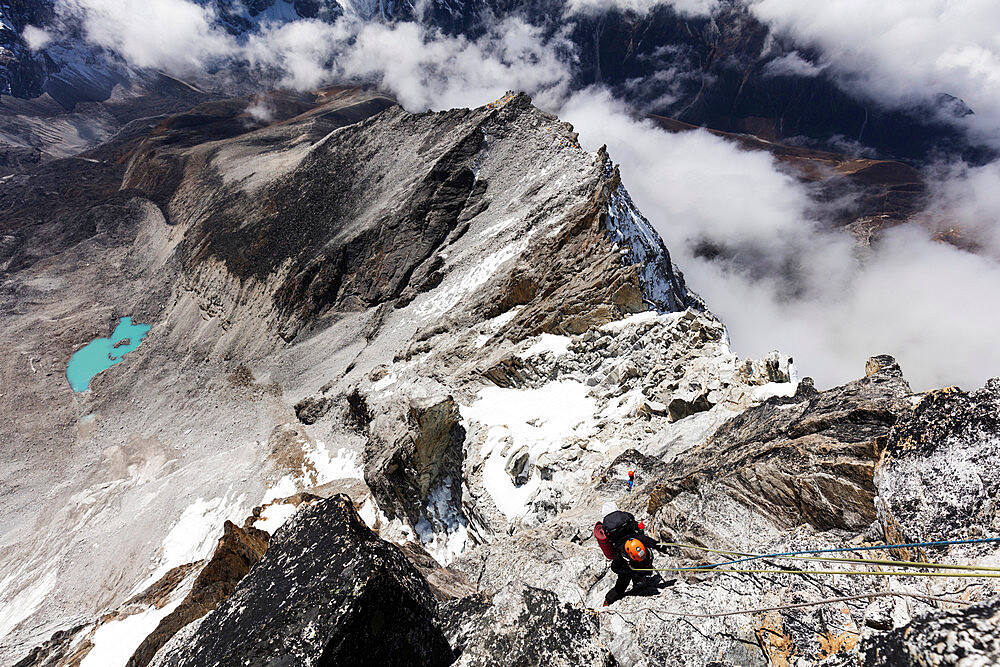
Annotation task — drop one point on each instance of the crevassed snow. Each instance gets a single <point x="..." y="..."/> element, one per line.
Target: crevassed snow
<point x="21" y="606"/>
<point x="556" y="345"/>
<point x="116" y="641"/>
<point x="537" y="420"/>
<point x="447" y="297"/>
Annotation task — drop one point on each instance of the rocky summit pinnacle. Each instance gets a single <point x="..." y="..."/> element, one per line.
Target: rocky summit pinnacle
<point x="398" y="366"/>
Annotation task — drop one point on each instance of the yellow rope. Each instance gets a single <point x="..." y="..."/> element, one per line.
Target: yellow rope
<point x="831" y="559"/>
<point x="871" y="573"/>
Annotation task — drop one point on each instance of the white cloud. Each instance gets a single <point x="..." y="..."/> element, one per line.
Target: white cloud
<point x="260" y="110"/>
<point x="904" y="51"/>
<point x="36" y="38"/>
<point x="965" y="202"/>
<point x="174" y="35"/>
<point x="421" y="67"/>
<point x="792" y="64"/>
<point x="789" y="284"/>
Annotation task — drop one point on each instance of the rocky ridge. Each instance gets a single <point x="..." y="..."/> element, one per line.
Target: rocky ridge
<point x="476" y="395"/>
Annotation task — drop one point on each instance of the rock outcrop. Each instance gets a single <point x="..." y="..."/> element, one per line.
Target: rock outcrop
<point x="413" y="448"/>
<point x="328" y="591"/>
<point x="522" y="625"/>
<point x="239" y="549"/>
<point x="808" y="459"/>
<point x="938" y="478"/>
<point x="966" y="638"/>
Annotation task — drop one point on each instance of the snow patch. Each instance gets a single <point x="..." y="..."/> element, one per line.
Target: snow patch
<point x="535" y="421"/>
<point x="342" y="464"/>
<point x="448" y="297"/>
<point x="495" y="324"/>
<point x="617" y="326"/>
<point x="274" y="516"/>
<point x="551" y="343"/>
<point x="763" y="392"/>
<point x="385" y="382"/>
<point x="116" y="641"/>
<point x="285" y="487"/>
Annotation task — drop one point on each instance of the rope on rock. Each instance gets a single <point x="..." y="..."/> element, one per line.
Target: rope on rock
<point x="800" y="605"/>
<point x="827" y="559"/>
<point x="752" y="557"/>
<point x="849" y="573"/>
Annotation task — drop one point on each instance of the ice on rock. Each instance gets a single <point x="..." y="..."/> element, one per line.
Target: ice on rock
<point x="630" y="229"/>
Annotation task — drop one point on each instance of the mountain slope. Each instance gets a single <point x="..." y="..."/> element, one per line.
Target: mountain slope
<point x="460" y="321"/>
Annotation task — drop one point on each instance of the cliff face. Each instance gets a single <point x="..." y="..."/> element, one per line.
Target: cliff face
<point x="449" y="331"/>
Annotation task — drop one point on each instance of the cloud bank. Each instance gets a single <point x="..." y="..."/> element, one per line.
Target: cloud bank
<point x="904" y="52"/>
<point x="824" y="300"/>
<point x="174" y="35"/>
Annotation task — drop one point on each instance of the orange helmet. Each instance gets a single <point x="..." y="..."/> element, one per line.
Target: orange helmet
<point x="635" y="549"/>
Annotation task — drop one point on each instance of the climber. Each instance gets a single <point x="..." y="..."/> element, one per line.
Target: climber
<point x="628" y="548"/>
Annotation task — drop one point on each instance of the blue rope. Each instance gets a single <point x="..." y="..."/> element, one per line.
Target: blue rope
<point x="917" y="545"/>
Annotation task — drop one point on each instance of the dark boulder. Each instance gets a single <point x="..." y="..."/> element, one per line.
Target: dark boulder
<point x="328" y="591"/>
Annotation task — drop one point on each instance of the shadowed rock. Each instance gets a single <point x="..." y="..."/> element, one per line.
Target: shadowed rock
<point x="327" y="592"/>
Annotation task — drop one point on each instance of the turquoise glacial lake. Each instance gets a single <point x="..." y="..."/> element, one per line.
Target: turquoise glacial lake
<point x="103" y="353"/>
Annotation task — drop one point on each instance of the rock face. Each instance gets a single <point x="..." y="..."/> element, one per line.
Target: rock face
<point x="967" y="637"/>
<point x="411" y="450"/>
<point x="522" y="625"/>
<point x="802" y="459"/>
<point x="938" y="478"/>
<point x="327" y="592"/>
<point x="238" y="550"/>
